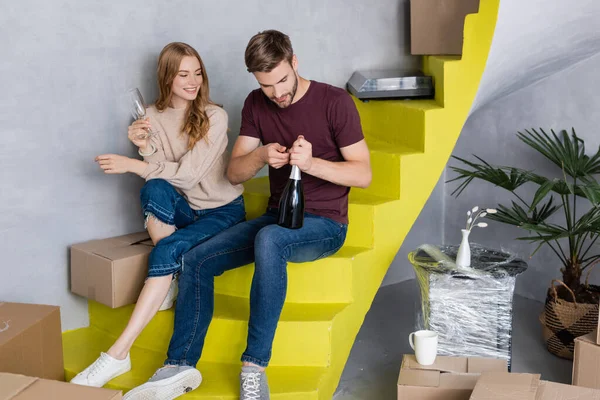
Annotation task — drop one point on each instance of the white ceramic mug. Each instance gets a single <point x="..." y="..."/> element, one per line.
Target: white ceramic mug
<point x="425" y="344"/>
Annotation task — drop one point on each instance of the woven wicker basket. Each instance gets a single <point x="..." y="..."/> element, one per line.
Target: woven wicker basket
<point x="563" y="321"/>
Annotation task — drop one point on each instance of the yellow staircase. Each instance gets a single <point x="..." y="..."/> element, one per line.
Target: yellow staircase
<point x="410" y="143"/>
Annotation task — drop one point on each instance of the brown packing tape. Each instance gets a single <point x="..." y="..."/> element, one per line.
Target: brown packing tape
<point x="98" y="279"/>
<point x="91" y="288"/>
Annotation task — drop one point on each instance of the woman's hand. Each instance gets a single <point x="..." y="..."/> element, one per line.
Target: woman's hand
<point x="138" y="133"/>
<point x="116" y="164"/>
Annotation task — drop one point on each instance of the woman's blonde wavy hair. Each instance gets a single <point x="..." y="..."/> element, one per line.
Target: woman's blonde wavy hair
<point x="196" y="122"/>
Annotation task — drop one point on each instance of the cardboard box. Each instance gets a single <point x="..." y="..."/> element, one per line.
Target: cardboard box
<point x="598" y="329"/>
<point x="31" y="340"/>
<point x="586" y="362"/>
<point x="500" y="385"/>
<point x="111" y="271"/>
<point x="436" y="26"/>
<point x="449" y="378"/>
<point x="19" y="387"/>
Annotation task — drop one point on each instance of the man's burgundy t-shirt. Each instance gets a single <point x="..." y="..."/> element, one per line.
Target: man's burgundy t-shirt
<point x="328" y="119"/>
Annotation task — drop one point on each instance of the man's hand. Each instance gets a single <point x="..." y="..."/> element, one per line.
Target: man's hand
<point x="116" y="164"/>
<point x="275" y="155"/>
<point x="301" y="154"/>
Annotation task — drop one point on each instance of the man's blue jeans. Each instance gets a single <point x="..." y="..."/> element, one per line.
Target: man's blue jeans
<point x="160" y="199"/>
<point x="270" y="246"/>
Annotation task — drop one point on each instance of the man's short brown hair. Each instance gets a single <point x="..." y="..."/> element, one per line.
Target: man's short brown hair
<point x="266" y="50"/>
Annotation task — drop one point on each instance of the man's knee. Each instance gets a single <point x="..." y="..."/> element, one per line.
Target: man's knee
<point x="269" y="243"/>
<point x="268" y="236"/>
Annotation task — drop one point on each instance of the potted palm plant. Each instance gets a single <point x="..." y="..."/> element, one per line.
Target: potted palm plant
<point x="563" y="215"/>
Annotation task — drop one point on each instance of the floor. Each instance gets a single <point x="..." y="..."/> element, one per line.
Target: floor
<point x="372" y="369"/>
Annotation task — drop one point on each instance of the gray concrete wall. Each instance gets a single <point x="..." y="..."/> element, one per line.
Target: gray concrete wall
<point x="534" y="39"/>
<point x="64" y="68"/>
<point x="564" y="100"/>
<point x="543" y="58"/>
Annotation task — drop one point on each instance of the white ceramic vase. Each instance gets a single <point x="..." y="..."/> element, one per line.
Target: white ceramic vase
<point x="463" y="257"/>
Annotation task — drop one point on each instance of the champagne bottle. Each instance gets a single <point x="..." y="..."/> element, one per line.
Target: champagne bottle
<point x="291" y="202"/>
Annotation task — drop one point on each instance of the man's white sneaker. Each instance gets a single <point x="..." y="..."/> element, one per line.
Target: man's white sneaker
<point x="167" y="383"/>
<point x="171" y="296"/>
<point x="102" y="370"/>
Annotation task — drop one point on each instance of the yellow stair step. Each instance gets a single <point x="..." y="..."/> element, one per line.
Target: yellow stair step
<point x="233" y="307"/>
<point x="398" y="122"/>
<point x="437" y="67"/>
<point x="226" y="337"/>
<point x="219" y="380"/>
<point x="307" y="282"/>
<point x="386" y="164"/>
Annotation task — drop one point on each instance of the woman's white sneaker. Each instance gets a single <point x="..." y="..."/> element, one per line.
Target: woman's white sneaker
<point x="102" y="370"/>
<point x="171" y="296"/>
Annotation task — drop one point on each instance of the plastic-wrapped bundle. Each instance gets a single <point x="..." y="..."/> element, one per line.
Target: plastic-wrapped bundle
<point x="470" y="308"/>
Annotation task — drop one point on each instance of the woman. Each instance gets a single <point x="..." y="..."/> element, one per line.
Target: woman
<point x="187" y="198"/>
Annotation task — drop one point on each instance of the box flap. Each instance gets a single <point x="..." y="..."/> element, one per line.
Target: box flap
<point x="53" y="390"/>
<point x="119" y="253"/>
<point x="12" y="384"/>
<point x="503" y="385"/>
<point x="98" y="246"/>
<point x="478" y="365"/>
<point x="133" y="238"/>
<point x="556" y="391"/>
<point x="446" y="372"/>
<point x="17" y="317"/>
<point x="117" y="247"/>
<point x="422" y="378"/>
<point x="442" y="364"/>
<point x="590" y="338"/>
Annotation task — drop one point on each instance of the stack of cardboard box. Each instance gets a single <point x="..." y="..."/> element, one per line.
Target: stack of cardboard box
<point x="31" y="356"/>
<point x="449" y="378"/>
<point x="464" y="378"/>
<point x="110" y="271"/>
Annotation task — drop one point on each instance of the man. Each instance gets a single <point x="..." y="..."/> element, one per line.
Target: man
<point x="300" y="122"/>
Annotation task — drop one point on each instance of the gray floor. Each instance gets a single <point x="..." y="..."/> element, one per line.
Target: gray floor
<point x="372" y="370"/>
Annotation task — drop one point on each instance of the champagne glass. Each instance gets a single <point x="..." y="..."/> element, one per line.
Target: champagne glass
<point x="138" y="109"/>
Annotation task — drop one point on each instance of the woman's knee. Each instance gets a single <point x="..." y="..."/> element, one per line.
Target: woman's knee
<point x="155" y="188"/>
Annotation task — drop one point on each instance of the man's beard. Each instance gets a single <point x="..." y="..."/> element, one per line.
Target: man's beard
<point x="292" y="94"/>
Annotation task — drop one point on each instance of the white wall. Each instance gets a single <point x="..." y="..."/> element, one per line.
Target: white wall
<point x="64" y="66"/>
